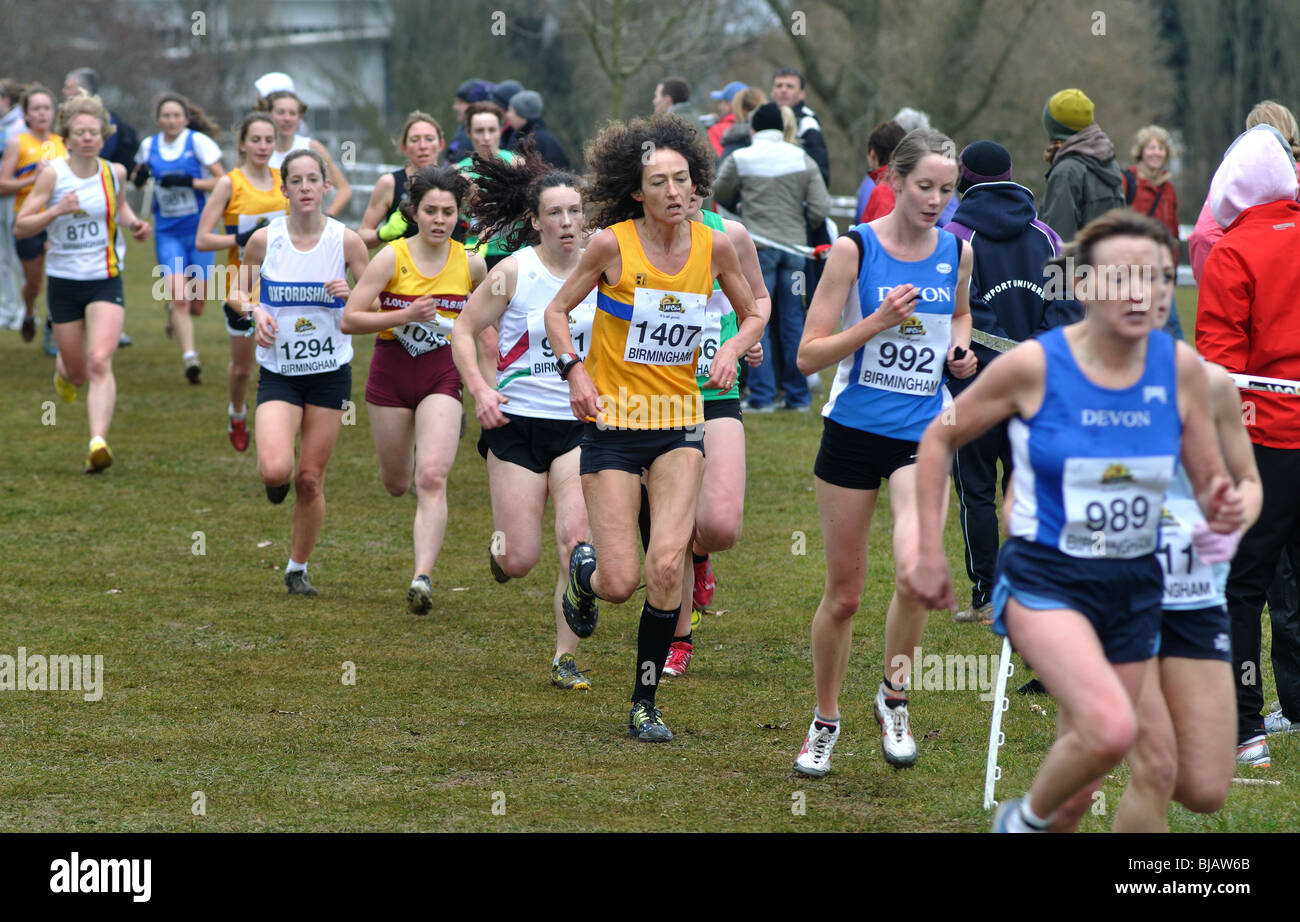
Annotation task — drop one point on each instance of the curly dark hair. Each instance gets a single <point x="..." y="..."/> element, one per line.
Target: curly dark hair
<point x="446" y="178"/>
<point x="508" y="193"/>
<point x="617" y="158"/>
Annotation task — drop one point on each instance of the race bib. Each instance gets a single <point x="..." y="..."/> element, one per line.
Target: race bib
<point x="1188" y="581"/>
<point x="1112" y="505"/>
<point x="908" y="358"/>
<point x="666" y="327"/>
<point x="82" y="232"/>
<point x="175" y="201"/>
<point x="305" y="345"/>
<point x="425" y="335"/>
<point x="710" y="341"/>
<point x="541" y="357"/>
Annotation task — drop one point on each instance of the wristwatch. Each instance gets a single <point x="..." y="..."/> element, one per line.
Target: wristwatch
<point x="565" y="362"/>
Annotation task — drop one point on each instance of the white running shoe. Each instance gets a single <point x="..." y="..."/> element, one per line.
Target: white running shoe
<point x="1276" y="723"/>
<point x="895" y="735"/>
<point x="814" y="758"/>
<point x="1254" y="752"/>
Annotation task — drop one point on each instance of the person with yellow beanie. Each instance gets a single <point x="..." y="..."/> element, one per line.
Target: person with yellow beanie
<point x="1083" y="179"/>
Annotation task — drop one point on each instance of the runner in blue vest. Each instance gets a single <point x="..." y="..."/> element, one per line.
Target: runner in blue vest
<point x="1100" y="413"/>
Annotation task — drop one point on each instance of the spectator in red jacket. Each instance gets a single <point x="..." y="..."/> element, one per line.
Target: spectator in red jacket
<point x="726" y="117"/>
<point x="1247" y="322"/>
<point x="1147" y="186"/>
<point x="880" y="147"/>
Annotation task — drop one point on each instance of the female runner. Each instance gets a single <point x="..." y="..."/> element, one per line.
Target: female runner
<point x="287" y="111"/>
<point x="89" y="207"/>
<point x="1099" y="412"/>
<point x="414" y="391"/>
<point x="655" y="271"/>
<point x="1186" y="719"/>
<point x="530" y="438"/>
<point x="25" y="158"/>
<point x="897" y="287"/>
<point x="247" y="198"/>
<point x="299" y="264"/>
<point x="420" y="143"/>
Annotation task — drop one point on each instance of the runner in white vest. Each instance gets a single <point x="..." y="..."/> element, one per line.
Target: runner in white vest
<point x="306" y="379"/>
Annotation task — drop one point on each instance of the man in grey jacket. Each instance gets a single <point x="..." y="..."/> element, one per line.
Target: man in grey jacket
<point x="1084" y="180"/>
<point x="775" y="182"/>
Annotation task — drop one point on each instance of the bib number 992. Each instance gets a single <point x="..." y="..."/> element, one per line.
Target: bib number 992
<point x="907" y="358"/>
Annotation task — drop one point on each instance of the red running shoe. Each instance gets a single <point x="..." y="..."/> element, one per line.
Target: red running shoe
<point x="238" y="430"/>
<point x="679" y="657"/>
<point x="705" y="584"/>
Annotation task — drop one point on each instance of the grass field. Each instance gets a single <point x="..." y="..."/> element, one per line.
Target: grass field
<point x="217" y="682"/>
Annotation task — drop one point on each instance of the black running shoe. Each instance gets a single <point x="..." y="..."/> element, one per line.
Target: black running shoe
<point x="645" y="722"/>
<point x="497" y="573"/>
<point x="296" y="582"/>
<point x="580" y="607"/>
<point x="1033" y="687"/>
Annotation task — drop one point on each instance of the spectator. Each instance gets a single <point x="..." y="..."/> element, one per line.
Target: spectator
<point x="270" y="83"/>
<point x="788" y="90"/>
<point x="726" y="115"/>
<point x="778" y="184"/>
<point x="673" y="94"/>
<point x="502" y="93"/>
<point x="1083" y="180"/>
<point x="1007" y="298"/>
<point x="121" y="145"/>
<point x="1247" y="322"/>
<point x="1149" y="191"/>
<point x="908" y="119"/>
<point x="1207" y="230"/>
<point x="880" y="147"/>
<point x="739" y="134"/>
<point x="524" y="116"/>
<point x="469" y="92"/>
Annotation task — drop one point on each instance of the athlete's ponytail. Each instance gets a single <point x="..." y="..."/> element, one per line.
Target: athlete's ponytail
<point x="195" y="118"/>
<point x="509" y="193"/>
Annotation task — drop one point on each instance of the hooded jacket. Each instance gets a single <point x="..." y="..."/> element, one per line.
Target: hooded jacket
<point x="1083" y="182"/>
<point x="1246" y="319"/>
<point x="547" y="145"/>
<point x="1010" y="246"/>
<point x="736" y="136"/>
<point x="777" y="183"/>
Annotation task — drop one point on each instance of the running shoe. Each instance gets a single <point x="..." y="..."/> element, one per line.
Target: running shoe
<point x="705" y="584"/>
<point x="1033" y="687"/>
<point x="973" y="615"/>
<point x="296" y="582"/>
<point x="29" y="328"/>
<point x="497" y="573"/>
<point x="1254" y="752"/>
<point x="696" y="617"/>
<point x="895" y="736"/>
<point x="419" y="598"/>
<point x="565" y="674"/>
<point x="64" y="388"/>
<point x="238" y="431"/>
<point x="1276" y="723"/>
<point x="99" y="457"/>
<point x="47" y="339"/>
<point x="580" y="611"/>
<point x="1004" y="813"/>
<point x="814" y="758"/>
<point x="123" y="341"/>
<point x="645" y="722"/>
<point x="679" y="657"/>
<point x="192" y="369"/>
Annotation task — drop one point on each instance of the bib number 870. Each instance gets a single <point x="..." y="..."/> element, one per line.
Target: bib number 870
<point x="908" y="358"/>
<point x="1118" y="516"/>
<point x="307" y="348"/>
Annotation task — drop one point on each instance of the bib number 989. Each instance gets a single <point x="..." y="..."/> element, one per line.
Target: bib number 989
<point x="1117" y="515"/>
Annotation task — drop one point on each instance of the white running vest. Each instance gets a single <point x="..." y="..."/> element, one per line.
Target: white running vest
<point x="300" y="142"/>
<point x="86" y="244"/>
<point x="310" y="339"/>
<point x="526" y="369"/>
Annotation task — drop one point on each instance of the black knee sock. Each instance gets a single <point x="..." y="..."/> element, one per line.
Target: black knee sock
<point x="686" y="639"/>
<point x="652" y="641"/>
<point x="643" y="518"/>
<point x="698" y="558"/>
<point x="277" y="494"/>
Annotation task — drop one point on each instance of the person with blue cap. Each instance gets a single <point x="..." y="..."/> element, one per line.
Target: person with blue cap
<point x="471" y="91"/>
<point x="726" y="117"/>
